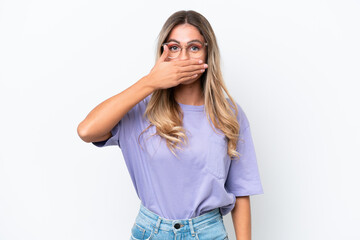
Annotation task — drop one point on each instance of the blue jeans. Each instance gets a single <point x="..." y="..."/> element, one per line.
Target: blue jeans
<point x="148" y="225"/>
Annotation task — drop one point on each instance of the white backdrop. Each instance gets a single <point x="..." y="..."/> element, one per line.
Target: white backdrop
<point x="292" y="65"/>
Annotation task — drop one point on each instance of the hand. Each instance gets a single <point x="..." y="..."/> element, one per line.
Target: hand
<point x="166" y="74"/>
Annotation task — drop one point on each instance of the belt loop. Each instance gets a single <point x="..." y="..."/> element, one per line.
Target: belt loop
<point x="157" y="225"/>
<point x="191" y="227"/>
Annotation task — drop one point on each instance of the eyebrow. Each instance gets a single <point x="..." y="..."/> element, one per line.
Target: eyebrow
<point x="194" y="40"/>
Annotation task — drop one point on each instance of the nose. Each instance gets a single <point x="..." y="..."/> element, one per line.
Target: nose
<point x="183" y="54"/>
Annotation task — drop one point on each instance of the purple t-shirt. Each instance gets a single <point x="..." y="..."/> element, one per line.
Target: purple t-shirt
<point x="202" y="178"/>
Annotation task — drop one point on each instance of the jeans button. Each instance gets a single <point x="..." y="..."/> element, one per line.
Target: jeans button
<point x="177" y="225"/>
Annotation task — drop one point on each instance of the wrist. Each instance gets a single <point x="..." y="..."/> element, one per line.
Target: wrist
<point x="147" y="83"/>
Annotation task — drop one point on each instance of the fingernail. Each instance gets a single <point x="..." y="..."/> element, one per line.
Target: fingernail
<point x="200" y="61"/>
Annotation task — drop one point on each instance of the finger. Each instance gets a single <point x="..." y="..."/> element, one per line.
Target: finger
<point x="164" y="53"/>
<point x="190" y="68"/>
<point x="183" y="79"/>
<point x="188" y="62"/>
<point x="187" y="74"/>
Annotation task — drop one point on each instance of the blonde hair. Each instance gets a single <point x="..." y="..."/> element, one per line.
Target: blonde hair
<point x="165" y="113"/>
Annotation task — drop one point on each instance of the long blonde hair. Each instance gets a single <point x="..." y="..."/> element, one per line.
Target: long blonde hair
<point x="165" y="113"/>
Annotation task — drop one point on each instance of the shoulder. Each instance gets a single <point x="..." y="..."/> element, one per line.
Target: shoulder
<point x="241" y="116"/>
<point x="147" y="99"/>
<point x="141" y="106"/>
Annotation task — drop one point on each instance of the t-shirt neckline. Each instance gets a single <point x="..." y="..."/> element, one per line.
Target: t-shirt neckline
<point x="187" y="107"/>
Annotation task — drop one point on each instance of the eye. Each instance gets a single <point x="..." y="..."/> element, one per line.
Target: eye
<point x="195" y="48"/>
<point x="173" y="47"/>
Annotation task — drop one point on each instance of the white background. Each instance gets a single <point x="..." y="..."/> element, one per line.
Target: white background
<point x="293" y="66"/>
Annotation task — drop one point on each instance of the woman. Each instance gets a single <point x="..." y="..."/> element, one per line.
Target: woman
<point x="187" y="147"/>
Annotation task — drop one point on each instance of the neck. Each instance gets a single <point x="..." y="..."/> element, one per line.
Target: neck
<point x="189" y="94"/>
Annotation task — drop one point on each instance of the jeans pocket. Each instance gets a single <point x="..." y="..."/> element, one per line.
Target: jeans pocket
<point x="137" y="232"/>
<point x="214" y="229"/>
<point x="140" y="232"/>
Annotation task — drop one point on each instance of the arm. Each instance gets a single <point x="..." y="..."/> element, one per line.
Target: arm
<point x="241" y="216"/>
<point x="99" y="122"/>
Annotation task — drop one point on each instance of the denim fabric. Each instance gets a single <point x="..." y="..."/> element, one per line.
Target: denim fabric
<point x="148" y="225"/>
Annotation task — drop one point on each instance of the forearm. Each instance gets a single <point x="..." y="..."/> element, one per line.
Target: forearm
<point x="241" y="216"/>
<point x="108" y="113"/>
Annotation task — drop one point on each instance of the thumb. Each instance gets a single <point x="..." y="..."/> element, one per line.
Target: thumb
<point x="164" y="53"/>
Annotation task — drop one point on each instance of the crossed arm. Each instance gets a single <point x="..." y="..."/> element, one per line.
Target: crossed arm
<point x="241" y="216"/>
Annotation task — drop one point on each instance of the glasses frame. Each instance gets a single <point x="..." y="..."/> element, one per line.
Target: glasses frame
<point x="204" y="44"/>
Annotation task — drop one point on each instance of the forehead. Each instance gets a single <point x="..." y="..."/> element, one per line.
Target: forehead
<point x="185" y="33"/>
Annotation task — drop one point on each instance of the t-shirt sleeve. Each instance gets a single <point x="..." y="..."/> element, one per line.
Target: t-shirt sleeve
<point x="243" y="178"/>
<point x="113" y="140"/>
<point x="124" y="127"/>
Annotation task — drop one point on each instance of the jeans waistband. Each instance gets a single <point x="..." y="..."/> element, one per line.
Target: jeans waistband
<point x="179" y="225"/>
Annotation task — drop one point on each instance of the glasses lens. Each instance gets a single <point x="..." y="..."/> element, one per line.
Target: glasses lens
<point x="194" y="50"/>
<point x="174" y="50"/>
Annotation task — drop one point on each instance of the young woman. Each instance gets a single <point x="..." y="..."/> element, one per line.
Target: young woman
<point x="187" y="147"/>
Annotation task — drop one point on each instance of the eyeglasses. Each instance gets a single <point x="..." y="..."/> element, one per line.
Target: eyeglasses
<point x="195" y="50"/>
